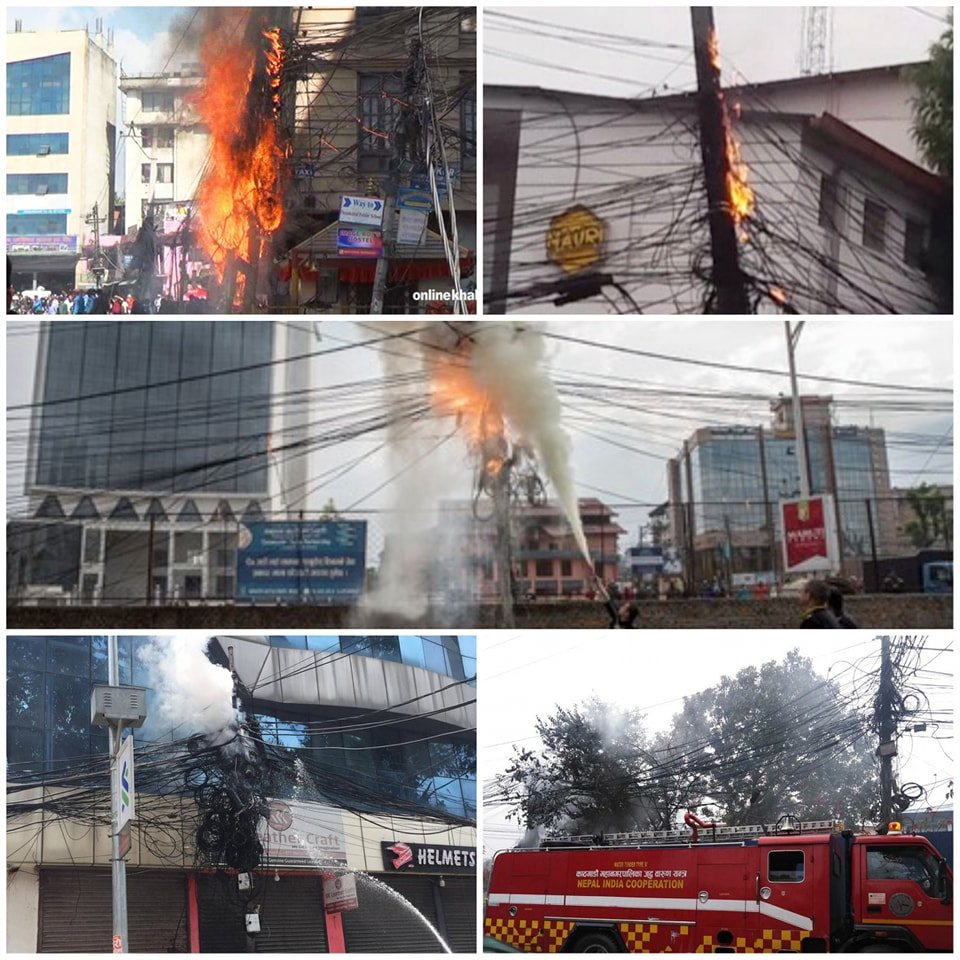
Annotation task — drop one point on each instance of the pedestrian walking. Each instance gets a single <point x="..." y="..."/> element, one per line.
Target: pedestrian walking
<point x="835" y="603"/>
<point x="816" y="615"/>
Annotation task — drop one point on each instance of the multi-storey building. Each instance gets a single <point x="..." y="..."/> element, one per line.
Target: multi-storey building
<point x="610" y="218"/>
<point x="369" y="744"/>
<point x="546" y="561"/>
<point x="166" y="148"/>
<point x="149" y="443"/>
<point x="61" y="146"/>
<point x="726" y="485"/>
<point x="353" y="135"/>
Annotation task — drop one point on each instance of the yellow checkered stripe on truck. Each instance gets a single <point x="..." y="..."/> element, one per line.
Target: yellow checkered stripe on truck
<point x="649" y="937"/>
<point x="770" y="941"/>
<point x="544" y="936"/>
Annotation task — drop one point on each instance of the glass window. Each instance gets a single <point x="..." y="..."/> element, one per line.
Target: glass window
<point x="785" y="866"/>
<point x="544" y="568"/>
<point x="164" y="173"/>
<point x="156" y="101"/>
<point x="903" y="863"/>
<point x="323" y="644"/>
<point x="874" y="225"/>
<point x="69" y="655"/>
<point x="827" y="211"/>
<point x="36" y="224"/>
<point x="40" y="86"/>
<point x="25" y="653"/>
<point x="37" y="144"/>
<point x="297" y="643"/>
<point x="383" y="648"/>
<point x="434" y="655"/>
<point x="411" y="651"/>
<point x="36" y="183"/>
<point x="914" y="242"/>
<point x="145" y="172"/>
<point x="68" y="718"/>
<point x="379" y="111"/>
<point x="468" y="126"/>
<point x="100" y="661"/>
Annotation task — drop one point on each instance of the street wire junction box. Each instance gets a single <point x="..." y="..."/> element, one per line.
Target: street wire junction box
<point x="118" y="705"/>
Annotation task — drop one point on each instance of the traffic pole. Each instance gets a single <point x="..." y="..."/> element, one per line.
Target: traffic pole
<point x="727" y="276"/>
<point x="117" y="863"/>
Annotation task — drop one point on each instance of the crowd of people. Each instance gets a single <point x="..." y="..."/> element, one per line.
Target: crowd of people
<point x="75" y="302"/>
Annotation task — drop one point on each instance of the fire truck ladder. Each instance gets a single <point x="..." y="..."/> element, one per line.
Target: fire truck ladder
<point x="698" y="832"/>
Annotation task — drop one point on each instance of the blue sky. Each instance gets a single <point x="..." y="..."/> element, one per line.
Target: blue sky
<point x="141" y="34"/>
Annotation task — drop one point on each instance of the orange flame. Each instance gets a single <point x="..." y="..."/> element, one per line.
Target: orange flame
<point x="740" y="195"/>
<point x="455" y="392"/>
<point x="242" y="188"/>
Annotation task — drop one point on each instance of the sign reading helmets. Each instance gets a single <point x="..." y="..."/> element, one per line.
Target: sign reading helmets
<point x="575" y="239"/>
<point x="427" y="857"/>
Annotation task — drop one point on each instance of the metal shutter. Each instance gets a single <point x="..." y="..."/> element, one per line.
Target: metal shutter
<point x="76" y="911"/>
<point x="384" y="923"/>
<point x="221" y="920"/>
<point x="458" y="900"/>
<point x="292" y="918"/>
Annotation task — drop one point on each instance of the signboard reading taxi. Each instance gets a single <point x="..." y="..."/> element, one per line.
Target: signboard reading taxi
<point x="575" y="239"/>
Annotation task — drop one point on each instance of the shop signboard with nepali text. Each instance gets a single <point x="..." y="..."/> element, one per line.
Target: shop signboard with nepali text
<point x="302" y="561"/>
<point x="809" y="534"/>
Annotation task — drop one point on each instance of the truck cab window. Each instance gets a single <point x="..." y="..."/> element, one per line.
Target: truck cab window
<point x="903" y="863"/>
<point x="785" y="866"/>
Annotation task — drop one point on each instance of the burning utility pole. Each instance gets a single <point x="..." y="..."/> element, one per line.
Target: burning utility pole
<point x="241" y="196"/>
<point x="728" y="196"/>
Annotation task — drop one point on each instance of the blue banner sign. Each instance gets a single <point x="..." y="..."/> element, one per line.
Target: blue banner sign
<point x="320" y="561"/>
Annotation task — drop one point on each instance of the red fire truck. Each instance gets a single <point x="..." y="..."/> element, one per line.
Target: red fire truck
<point x="772" y="888"/>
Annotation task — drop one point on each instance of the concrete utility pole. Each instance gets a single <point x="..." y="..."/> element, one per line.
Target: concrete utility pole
<point x="793" y="335"/>
<point x="504" y="544"/>
<point x="117" y="863"/>
<point x="887" y="748"/>
<point x="94" y="219"/>
<point x="724" y="250"/>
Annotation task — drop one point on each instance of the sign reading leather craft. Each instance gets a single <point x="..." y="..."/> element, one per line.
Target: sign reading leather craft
<point x="400" y="857"/>
<point x="575" y="239"/>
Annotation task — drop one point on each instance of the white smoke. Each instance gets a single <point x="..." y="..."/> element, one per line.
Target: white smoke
<point x="190" y="694"/>
<point x="509" y="361"/>
<point x="424" y="474"/>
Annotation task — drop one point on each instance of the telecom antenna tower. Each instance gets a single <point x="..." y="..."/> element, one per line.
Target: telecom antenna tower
<point x="816" y="41"/>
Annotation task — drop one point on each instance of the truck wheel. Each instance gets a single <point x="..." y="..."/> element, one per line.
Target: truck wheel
<point x="883" y="948"/>
<point x="596" y="942"/>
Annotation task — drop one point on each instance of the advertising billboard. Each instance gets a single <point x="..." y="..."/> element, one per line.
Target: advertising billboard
<point x="321" y="561"/>
<point x="809" y="534"/>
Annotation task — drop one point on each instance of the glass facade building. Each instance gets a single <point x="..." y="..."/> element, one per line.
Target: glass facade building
<point x="163" y="407"/>
<point x="406" y="758"/>
<point x="33" y="144"/>
<point x="737" y="475"/>
<point x="39" y="87"/>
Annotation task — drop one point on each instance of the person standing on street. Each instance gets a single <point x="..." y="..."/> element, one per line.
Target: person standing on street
<point x="816" y="615"/>
<point x="835" y="603"/>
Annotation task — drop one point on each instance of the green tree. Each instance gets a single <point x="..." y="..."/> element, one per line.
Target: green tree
<point x="933" y="522"/>
<point x="774" y="740"/>
<point x="933" y="105"/>
<point x="585" y="778"/>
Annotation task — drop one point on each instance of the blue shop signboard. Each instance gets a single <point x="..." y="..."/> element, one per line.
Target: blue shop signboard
<point x="320" y="561"/>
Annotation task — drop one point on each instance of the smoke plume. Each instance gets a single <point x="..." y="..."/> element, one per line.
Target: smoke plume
<point x="190" y="694"/>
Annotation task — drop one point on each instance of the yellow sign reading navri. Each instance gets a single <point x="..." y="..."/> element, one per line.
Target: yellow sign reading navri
<point x="575" y="238"/>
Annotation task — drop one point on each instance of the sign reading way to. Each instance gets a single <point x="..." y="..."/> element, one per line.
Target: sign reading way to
<point x="363" y="210"/>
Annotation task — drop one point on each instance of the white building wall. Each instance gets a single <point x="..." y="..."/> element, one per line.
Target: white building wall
<point x="23" y="909"/>
<point x="875" y="103"/>
<point x="637" y="166"/>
